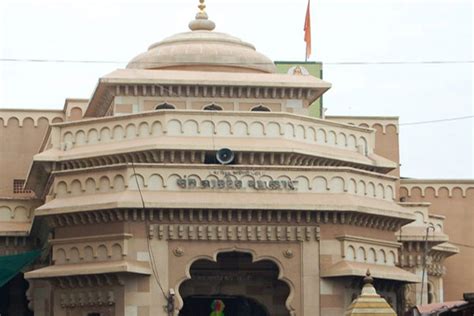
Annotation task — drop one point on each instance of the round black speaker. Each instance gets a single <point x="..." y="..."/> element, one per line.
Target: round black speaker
<point x="225" y="156"/>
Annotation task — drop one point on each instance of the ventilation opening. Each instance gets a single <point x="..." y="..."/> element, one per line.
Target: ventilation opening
<point x="212" y="107"/>
<point x="260" y="108"/>
<point x="18" y="185"/>
<point x="165" y="106"/>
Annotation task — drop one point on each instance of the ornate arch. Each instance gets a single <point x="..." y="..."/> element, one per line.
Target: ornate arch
<point x="213" y="257"/>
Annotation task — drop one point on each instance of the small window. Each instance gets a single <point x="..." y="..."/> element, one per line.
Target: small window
<point x="260" y="108"/>
<point x="18" y="186"/>
<point x="212" y="107"/>
<point x="165" y="106"/>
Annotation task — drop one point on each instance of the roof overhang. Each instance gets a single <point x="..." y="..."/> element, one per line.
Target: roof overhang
<point x="166" y="78"/>
<point x="232" y="200"/>
<point x="348" y="268"/>
<point x="64" y="270"/>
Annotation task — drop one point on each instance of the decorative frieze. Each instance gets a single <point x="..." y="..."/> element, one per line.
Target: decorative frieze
<point x="31" y="117"/>
<point x="285" y="126"/>
<point x="12" y="245"/>
<point x="89" y="298"/>
<point x="235" y="233"/>
<point x="236" y="217"/>
<point x="436" y="269"/>
<point x="17" y="210"/>
<point x="410" y="187"/>
<point x="195" y="91"/>
<point x="369" y="250"/>
<point x="87" y="281"/>
<point x="92" y="248"/>
<point x="203" y="177"/>
<point x="383" y="123"/>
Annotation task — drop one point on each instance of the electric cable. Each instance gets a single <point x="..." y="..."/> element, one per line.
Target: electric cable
<point x="425" y="257"/>
<point x="152" y="259"/>
<point x="349" y="63"/>
<point x="438" y="121"/>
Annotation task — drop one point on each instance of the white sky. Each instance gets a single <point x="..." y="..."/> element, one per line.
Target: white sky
<point x="350" y="30"/>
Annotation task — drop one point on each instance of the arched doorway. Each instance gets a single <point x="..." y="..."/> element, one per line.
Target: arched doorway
<point x="235" y="286"/>
<point x="205" y="305"/>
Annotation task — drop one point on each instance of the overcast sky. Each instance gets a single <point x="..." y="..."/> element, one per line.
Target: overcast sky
<point x="351" y="30"/>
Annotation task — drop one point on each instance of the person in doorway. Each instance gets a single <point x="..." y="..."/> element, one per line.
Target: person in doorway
<point x="217" y="308"/>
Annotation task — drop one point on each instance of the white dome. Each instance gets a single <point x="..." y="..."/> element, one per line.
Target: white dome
<point x="203" y="49"/>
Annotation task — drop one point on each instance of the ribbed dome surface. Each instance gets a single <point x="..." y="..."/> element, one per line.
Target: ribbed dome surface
<point x="203" y="49"/>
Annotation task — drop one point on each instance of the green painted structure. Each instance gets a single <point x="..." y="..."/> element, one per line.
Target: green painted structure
<point x="313" y="68"/>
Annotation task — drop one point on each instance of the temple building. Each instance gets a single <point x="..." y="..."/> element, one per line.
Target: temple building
<point x="203" y="179"/>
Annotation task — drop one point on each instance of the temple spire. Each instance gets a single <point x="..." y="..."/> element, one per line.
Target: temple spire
<point x="369" y="302"/>
<point x="201" y="21"/>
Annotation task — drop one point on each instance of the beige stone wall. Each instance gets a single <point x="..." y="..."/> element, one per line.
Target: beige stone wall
<point x="21" y="135"/>
<point x="386" y="136"/>
<point x="336" y="243"/>
<point x="456" y="202"/>
<point x="74" y="109"/>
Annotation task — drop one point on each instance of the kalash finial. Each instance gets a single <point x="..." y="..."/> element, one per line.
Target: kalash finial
<point x="201" y="22"/>
<point x="368" y="288"/>
<point x="368" y="278"/>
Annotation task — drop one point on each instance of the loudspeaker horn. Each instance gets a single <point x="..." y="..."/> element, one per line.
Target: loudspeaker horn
<point x="225" y="156"/>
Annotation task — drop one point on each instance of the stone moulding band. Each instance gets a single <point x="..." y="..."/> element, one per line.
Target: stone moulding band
<point x="227" y="217"/>
<point x="235" y="232"/>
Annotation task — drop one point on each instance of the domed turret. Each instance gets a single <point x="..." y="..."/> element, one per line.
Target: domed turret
<point x="204" y="50"/>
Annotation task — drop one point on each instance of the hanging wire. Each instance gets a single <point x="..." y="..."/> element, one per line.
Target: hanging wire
<point x="152" y="257"/>
<point x="438" y="121"/>
<point x="349" y="63"/>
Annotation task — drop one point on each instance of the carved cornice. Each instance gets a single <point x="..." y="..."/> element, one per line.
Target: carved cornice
<point x="104" y="94"/>
<point x="12" y="245"/>
<point x="170" y="156"/>
<point x="108" y="237"/>
<point x="436" y="269"/>
<point x="205" y="91"/>
<point x="87" y="281"/>
<point x="413" y="252"/>
<point x="226" y="217"/>
<point x="370" y="241"/>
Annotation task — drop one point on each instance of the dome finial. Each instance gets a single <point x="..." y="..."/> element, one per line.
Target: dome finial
<point x="368" y="278"/>
<point x="202" y="6"/>
<point x="368" y="288"/>
<point x="201" y="22"/>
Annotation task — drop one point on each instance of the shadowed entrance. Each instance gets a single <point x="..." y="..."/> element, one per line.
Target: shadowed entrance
<point x="234" y="286"/>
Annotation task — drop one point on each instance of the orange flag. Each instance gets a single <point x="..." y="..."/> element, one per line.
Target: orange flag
<point x="307" y="32"/>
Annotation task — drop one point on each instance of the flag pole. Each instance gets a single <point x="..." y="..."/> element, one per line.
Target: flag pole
<point x="307" y="32"/>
